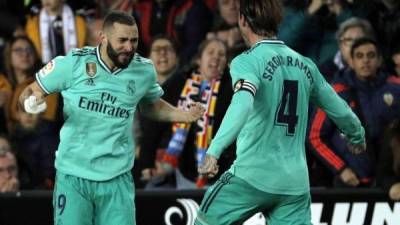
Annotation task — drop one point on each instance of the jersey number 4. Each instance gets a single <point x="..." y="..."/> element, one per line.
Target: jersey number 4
<point x="286" y="114"/>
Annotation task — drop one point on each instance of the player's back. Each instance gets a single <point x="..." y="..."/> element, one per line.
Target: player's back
<point x="270" y="147"/>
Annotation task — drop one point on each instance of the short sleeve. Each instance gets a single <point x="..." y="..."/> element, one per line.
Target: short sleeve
<point x="56" y="75"/>
<point x="155" y="91"/>
<point x="244" y="74"/>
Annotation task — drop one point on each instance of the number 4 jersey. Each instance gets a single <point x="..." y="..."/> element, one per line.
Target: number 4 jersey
<point x="270" y="146"/>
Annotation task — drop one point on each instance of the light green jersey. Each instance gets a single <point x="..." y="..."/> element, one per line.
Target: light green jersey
<point x="96" y="140"/>
<point x="270" y="146"/>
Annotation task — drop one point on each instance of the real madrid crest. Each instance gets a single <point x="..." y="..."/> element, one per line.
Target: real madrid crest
<point x="388" y="99"/>
<point x="131" y="87"/>
<point x="91" y="69"/>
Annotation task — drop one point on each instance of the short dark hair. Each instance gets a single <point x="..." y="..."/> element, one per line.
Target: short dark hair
<point x="363" y="41"/>
<point x="118" y="17"/>
<point x="171" y="40"/>
<point x="263" y="16"/>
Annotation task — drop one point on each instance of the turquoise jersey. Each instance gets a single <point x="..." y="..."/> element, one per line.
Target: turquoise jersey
<point x="96" y="140"/>
<point x="271" y="143"/>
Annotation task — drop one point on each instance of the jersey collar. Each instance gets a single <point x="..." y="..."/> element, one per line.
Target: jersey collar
<point x="269" y="41"/>
<point x="103" y="64"/>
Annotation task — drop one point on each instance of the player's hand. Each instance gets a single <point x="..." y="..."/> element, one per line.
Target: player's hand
<point x="209" y="167"/>
<point x="357" y="148"/>
<point x="349" y="177"/>
<point x="394" y="192"/>
<point x="196" y="111"/>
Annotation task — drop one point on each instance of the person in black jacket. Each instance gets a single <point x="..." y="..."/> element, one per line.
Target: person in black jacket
<point x="374" y="96"/>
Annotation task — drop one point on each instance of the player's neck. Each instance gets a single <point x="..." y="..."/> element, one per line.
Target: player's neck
<point x="104" y="56"/>
<point x="255" y="38"/>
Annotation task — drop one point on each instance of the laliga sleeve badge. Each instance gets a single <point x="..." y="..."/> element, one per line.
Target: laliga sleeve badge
<point x="238" y="85"/>
<point x="388" y="99"/>
<point x="46" y="70"/>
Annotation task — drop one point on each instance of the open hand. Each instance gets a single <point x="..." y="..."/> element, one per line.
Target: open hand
<point x="209" y="167"/>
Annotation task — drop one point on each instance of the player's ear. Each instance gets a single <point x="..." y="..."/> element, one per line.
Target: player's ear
<point x="103" y="37"/>
<point x="242" y="21"/>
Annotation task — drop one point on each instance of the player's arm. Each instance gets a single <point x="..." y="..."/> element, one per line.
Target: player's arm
<point x="55" y="76"/>
<point x="161" y="110"/>
<point x="233" y="122"/>
<point x="339" y="112"/>
<point x="237" y="113"/>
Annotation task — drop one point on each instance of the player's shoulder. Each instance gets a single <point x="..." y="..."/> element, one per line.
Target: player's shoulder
<point x="82" y="52"/>
<point x="142" y="60"/>
<point x="244" y="58"/>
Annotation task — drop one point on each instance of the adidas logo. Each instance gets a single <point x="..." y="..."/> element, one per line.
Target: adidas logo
<point x="90" y="82"/>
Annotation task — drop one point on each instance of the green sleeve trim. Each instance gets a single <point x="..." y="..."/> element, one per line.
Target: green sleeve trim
<point x="41" y="84"/>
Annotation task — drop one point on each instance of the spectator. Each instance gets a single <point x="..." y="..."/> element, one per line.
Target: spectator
<point x="55" y="30"/>
<point x="8" y="168"/>
<point x="226" y="28"/>
<point x="164" y="54"/>
<point x="105" y="6"/>
<point x="310" y="28"/>
<point x="396" y="61"/>
<point x="209" y="84"/>
<point x="374" y="96"/>
<point x="179" y="19"/>
<point x="5" y="94"/>
<point x="350" y="30"/>
<point x="21" y="62"/>
<point x="384" y="16"/>
<point x="388" y="176"/>
<point x="35" y="141"/>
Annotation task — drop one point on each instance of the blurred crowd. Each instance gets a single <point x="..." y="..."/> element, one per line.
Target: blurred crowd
<point x="355" y="43"/>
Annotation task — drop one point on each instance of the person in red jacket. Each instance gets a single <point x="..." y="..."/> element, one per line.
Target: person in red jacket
<point x="183" y="20"/>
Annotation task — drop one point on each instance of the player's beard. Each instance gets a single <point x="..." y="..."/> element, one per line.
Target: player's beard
<point x="113" y="55"/>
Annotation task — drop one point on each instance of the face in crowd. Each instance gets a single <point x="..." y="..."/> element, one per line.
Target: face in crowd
<point x="121" y="42"/>
<point x="212" y="60"/>
<point x="8" y="168"/>
<point x="163" y="54"/>
<point x="366" y="61"/>
<point x="347" y="40"/>
<point x="229" y="10"/>
<point x="22" y="55"/>
<point x="52" y="6"/>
